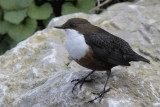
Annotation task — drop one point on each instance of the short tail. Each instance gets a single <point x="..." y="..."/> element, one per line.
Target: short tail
<point x="141" y="58"/>
<point x="136" y="57"/>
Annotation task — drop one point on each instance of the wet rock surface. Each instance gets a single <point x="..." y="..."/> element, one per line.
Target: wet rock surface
<point x="38" y="71"/>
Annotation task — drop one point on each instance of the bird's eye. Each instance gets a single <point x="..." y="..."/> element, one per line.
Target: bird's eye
<point x="73" y="25"/>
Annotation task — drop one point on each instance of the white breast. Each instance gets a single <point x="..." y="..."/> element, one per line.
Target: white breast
<point x="75" y="44"/>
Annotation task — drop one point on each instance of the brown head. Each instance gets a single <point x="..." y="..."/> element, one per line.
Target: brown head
<point x="78" y="24"/>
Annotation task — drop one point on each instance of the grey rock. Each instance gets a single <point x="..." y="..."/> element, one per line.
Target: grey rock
<point x="38" y="71"/>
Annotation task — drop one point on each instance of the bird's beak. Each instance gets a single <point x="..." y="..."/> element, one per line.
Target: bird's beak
<point x="59" y="27"/>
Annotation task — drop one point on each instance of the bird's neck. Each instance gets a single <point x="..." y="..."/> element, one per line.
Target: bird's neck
<point x="75" y="44"/>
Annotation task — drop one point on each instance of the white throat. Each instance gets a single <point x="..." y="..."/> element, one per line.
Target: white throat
<point x="75" y="44"/>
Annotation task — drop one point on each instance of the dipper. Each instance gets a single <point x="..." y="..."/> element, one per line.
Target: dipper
<point x="96" y="49"/>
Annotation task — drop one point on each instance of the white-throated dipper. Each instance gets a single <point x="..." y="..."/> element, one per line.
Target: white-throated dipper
<point x="96" y="49"/>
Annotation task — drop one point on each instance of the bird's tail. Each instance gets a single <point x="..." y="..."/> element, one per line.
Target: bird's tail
<point x="141" y="58"/>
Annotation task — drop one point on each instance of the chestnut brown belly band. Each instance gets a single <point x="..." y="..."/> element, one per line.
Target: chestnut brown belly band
<point x="90" y="62"/>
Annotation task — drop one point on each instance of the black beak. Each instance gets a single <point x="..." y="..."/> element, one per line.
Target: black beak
<point x="59" y="27"/>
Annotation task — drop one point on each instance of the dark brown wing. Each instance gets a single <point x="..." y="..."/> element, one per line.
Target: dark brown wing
<point x="111" y="49"/>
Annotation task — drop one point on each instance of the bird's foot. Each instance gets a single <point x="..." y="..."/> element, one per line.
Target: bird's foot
<point x="81" y="82"/>
<point x="100" y="95"/>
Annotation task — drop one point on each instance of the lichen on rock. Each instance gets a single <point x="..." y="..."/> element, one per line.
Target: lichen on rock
<point x="36" y="72"/>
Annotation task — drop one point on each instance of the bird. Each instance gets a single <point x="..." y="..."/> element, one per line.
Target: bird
<point x="96" y="49"/>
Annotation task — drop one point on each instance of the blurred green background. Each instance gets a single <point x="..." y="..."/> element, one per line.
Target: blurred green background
<point x="19" y="19"/>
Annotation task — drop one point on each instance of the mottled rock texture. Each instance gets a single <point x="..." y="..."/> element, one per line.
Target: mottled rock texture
<point x="36" y="72"/>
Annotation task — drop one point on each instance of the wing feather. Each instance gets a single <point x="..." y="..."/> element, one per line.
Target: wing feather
<point x="109" y="48"/>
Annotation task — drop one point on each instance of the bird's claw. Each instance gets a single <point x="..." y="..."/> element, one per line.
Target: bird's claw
<point x="90" y="80"/>
<point x="81" y="82"/>
<point x="75" y="80"/>
<point x="100" y="95"/>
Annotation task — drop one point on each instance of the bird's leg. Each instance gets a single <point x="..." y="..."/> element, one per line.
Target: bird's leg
<point x="101" y="94"/>
<point x="81" y="81"/>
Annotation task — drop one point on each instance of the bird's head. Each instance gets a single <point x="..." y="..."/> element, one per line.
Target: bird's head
<point x="77" y="24"/>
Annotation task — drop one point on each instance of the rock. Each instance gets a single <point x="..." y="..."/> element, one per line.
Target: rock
<point x="38" y="71"/>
